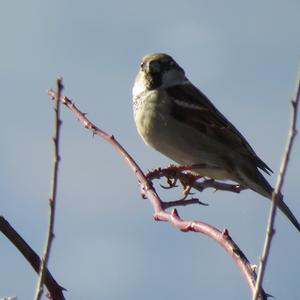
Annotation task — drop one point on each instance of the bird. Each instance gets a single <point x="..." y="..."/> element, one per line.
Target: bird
<point x="175" y="118"/>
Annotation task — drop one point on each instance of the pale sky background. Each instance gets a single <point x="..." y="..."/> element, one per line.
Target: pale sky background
<point x="242" y="54"/>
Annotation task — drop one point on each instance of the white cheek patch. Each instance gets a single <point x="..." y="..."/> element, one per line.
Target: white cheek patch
<point x="173" y="77"/>
<point x="137" y="89"/>
<point x="139" y="85"/>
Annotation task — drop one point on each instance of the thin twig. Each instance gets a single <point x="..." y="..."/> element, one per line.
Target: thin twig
<point x="30" y="255"/>
<point x="277" y="191"/>
<point x="148" y="191"/>
<point x="182" y="202"/>
<point x="52" y="199"/>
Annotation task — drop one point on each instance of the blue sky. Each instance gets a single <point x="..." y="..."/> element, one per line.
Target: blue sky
<point x="243" y="55"/>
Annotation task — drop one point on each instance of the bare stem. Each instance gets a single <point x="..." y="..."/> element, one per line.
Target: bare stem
<point x="30" y="255"/>
<point x="52" y="199"/>
<point x="182" y="202"/>
<point x="148" y="191"/>
<point x="277" y="191"/>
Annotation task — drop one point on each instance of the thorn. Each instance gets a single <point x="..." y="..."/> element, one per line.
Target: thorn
<point x="64" y="100"/>
<point x="174" y="213"/>
<point x="156" y="217"/>
<point x="253" y="268"/>
<point x="225" y="233"/>
<point x="142" y="191"/>
<point x="86" y="124"/>
<point x="189" y="227"/>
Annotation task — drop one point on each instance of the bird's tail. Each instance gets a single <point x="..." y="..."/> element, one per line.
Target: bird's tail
<point x="285" y="209"/>
<point x="259" y="184"/>
<point x="265" y="189"/>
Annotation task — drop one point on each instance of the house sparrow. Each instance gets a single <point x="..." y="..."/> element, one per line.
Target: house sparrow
<point x="178" y="120"/>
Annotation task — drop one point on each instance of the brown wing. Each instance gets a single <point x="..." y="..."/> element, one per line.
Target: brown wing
<point x="192" y="107"/>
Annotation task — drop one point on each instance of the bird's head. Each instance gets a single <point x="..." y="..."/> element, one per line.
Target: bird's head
<point x="158" y="70"/>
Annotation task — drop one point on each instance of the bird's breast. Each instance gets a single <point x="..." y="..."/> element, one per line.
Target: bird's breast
<point x="150" y="113"/>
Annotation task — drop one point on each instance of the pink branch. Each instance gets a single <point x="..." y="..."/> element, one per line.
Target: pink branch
<point x="148" y="191"/>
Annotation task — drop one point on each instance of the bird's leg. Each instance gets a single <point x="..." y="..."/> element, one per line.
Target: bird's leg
<point x="165" y="172"/>
<point x="173" y="173"/>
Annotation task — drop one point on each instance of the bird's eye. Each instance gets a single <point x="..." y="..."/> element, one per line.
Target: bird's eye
<point x="142" y="65"/>
<point x="155" y="66"/>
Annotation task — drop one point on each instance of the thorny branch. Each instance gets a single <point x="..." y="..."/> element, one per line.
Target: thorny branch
<point x="160" y="214"/>
<point x="52" y="199"/>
